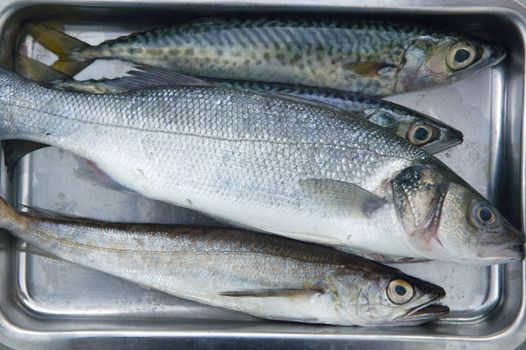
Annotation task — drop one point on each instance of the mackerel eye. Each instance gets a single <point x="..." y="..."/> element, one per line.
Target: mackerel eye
<point x="400" y="291"/>
<point x="483" y="215"/>
<point x="461" y="55"/>
<point x="420" y="134"/>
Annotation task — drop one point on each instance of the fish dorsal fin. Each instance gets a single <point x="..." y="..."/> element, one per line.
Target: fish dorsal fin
<point x="343" y="196"/>
<point x="145" y="78"/>
<point x="36" y="70"/>
<point x="266" y="293"/>
<point x="148" y="77"/>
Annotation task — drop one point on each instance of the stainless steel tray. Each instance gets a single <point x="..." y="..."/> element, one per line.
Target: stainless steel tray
<point x="49" y="304"/>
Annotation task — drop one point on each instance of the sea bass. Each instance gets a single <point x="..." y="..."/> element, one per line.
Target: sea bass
<point x="262" y="275"/>
<point x="300" y="170"/>
<point x="419" y="129"/>
<point x="369" y="57"/>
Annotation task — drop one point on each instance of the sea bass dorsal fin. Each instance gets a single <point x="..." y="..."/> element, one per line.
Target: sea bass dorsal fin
<point x="145" y="78"/>
<point x="36" y="70"/>
<point x="266" y="293"/>
<point x="344" y="196"/>
<point x="62" y="45"/>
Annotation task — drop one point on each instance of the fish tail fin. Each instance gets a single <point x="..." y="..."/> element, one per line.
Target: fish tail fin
<point x="70" y="50"/>
<point x="36" y="70"/>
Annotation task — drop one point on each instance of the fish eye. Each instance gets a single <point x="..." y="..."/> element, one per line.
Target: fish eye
<point x="420" y="134"/>
<point x="483" y="215"/>
<point x="400" y="291"/>
<point x="461" y="55"/>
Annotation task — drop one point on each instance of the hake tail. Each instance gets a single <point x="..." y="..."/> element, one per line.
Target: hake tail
<point x="64" y="46"/>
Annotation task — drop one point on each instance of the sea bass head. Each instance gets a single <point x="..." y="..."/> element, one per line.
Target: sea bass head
<point x="419" y="129"/>
<point x="448" y="220"/>
<point x="387" y="297"/>
<point x="441" y="58"/>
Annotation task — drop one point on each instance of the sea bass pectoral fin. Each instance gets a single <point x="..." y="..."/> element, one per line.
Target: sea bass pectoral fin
<point x="90" y="171"/>
<point x="343" y="195"/>
<point x="266" y="293"/>
<point x="61" y="44"/>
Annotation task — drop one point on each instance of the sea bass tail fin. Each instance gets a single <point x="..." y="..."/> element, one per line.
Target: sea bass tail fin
<point x="63" y="45"/>
<point x="14" y="150"/>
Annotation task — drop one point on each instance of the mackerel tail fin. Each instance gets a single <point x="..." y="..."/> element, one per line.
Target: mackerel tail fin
<point x="36" y="70"/>
<point x="63" y="45"/>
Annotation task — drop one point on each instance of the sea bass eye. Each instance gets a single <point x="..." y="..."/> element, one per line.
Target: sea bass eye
<point x="483" y="215"/>
<point x="461" y="55"/>
<point x="420" y="134"/>
<point x="399" y="291"/>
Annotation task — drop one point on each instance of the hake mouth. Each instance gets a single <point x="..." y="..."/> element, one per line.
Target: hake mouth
<point x="428" y="311"/>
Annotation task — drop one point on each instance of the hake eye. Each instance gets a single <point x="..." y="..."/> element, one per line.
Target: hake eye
<point x="461" y="55"/>
<point x="420" y="134"/>
<point x="400" y="291"/>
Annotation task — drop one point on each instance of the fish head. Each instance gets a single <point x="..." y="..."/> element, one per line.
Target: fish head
<point x="386" y="296"/>
<point x="417" y="128"/>
<point x="446" y="219"/>
<point x="442" y="58"/>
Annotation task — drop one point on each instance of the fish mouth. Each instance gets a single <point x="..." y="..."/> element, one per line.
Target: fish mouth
<point x="503" y="254"/>
<point x="448" y="138"/>
<point x="426" y="311"/>
<point x="510" y="251"/>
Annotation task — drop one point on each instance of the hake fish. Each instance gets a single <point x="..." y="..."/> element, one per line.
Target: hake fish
<point x="369" y="57"/>
<point x="296" y="169"/>
<point x="262" y="275"/>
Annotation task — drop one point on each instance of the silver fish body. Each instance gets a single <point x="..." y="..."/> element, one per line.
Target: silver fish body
<point x="364" y="56"/>
<point x="300" y="170"/>
<point x="419" y="129"/>
<point x="265" y="276"/>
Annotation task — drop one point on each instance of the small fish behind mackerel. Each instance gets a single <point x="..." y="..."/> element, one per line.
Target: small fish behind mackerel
<point x="374" y="58"/>
<point x="301" y="170"/>
<point x="417" y="128"/>
<point x="262" y="275"/>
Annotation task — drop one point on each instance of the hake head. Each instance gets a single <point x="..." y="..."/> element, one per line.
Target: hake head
<point x="446" y="219"/>
<point x="387" y="297"/>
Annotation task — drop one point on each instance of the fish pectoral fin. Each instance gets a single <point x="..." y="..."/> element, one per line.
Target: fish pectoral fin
<point x="369" y="69"/>
<point x="36" y="70"/>
<point x="343" y="195"/>
<point x="265" y="293"/>
<point x="90" y="171"/>
<point x="62" y="45"/>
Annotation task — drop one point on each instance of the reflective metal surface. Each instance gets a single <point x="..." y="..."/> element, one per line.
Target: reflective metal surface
<point x="50" y="304"/>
